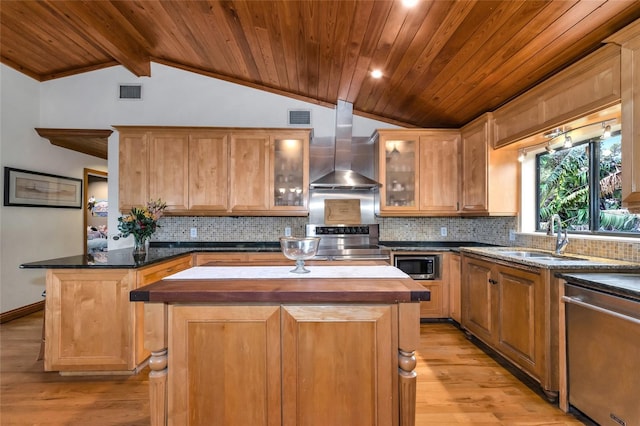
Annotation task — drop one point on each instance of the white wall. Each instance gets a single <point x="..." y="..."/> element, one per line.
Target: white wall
<point x="33" y="233"/>
<point x="171" y="97"/>
<point x="90" y="100"/>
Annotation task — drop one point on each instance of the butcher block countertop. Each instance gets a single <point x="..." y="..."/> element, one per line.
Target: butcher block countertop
<point x="275" y="284"/>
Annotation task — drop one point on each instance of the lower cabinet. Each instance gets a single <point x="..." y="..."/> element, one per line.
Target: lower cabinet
<point x="438" y="305"/>
<point x="505" y="307"/>
<point x="435" y="307"/>
<point x="283" y="365"/>
<point x="222" y="258"/>
<point x="90" y="325"/>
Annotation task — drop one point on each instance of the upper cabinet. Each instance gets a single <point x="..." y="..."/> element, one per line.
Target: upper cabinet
<point x="439" y="171"/>
<point x="585" y="87"/>
<point x="208" y="171"/>
<point x="489" y="176"/>
<point x="629" y="41"/>
<point x="133" y="168"/>
<point x="399" y="171"/>
<point x="289" y="172"/>
<point x="169" y="168"/>
<point x="418" y="170"/>
<point x="249" y="172"/>
<point x="433" y="172"/>
<point x="215" y="171"/>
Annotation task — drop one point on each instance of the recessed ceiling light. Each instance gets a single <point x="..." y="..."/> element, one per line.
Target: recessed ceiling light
<point x="409" y="3"/>
<point x="376" y="74"/>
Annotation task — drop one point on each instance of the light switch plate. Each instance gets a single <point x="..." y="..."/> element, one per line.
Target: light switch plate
<point x="287" y="231"/>
<point x="193" y="233"/>
<point x="443" y="231"/>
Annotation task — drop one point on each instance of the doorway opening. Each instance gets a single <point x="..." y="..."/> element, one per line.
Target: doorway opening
<point x="96" y="211"/>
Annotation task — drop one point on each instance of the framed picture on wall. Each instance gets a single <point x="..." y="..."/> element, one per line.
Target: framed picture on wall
<point x="34" y="189"/>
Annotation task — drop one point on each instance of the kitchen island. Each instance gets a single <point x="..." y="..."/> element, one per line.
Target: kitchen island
<point x="261" y="346"/>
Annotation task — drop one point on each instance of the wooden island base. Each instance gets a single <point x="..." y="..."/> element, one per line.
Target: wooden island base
<point x="320" y="352"/>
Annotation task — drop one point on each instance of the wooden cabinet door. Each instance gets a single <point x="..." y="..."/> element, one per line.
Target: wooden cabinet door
<point x="439" y="172"/>
<point x="88" y="320"/>
<point x="455" y="307"/>
<point x="249" y="172"/>
<point x="520" y="324"/>
<point x="338" y="368"/>
<point x="399" y="163"/>
<point x="478" y="298"/>
<point x="475" y="147"/>
<point x="433" y="308"/>
<point x="133" y="169"/>
<point x="289" y="172"/>
<point x="169" y="168"/>
<point x="629" y="40"/>
<point x="209" y="171"/>
<point x="226" y="369"/>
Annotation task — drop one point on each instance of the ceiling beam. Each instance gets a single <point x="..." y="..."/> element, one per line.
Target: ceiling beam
<point x="103" y="25"/>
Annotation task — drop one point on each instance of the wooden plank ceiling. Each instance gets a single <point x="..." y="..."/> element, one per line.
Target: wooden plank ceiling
<point x="444" y="62"/>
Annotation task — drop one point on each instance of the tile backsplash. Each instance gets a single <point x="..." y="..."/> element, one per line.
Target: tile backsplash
<point x="488" y="230"/>
<point x="612" y="249"/>
<point x="491" y="230"/>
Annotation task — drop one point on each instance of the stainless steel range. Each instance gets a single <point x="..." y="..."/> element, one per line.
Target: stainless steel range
<point x="348" y="242"/>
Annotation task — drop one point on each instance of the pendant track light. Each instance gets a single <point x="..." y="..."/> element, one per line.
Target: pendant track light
<point x="568" y="142"/>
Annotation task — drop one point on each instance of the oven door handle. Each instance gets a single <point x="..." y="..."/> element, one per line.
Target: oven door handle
<point x="577" y="301"/>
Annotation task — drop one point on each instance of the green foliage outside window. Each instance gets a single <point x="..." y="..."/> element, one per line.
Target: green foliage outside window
<point x="564" y="188"/>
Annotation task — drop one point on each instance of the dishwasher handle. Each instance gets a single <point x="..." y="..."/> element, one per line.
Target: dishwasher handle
<point x="577" y="301"/>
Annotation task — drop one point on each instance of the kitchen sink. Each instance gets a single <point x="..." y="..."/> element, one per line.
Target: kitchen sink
<point x="538" y="255"/>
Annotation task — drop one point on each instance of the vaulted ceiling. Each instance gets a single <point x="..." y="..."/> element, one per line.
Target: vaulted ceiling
<point x="444" y="62"/>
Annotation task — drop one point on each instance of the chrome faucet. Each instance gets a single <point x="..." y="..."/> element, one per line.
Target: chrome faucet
<point x="561" y="242"/>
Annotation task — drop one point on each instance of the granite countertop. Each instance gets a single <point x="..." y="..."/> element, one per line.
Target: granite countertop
<point x="157" y="252"/>
<point x="431" y="245"/>
<point x="620" y="284"/>
<point x="166" y="250"/>
<point x="552" y="261"/>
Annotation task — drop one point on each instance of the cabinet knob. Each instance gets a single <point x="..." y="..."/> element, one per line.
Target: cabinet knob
<point x="492" y="281"/>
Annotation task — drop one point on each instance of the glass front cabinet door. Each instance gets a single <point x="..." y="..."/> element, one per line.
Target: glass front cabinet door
<point x="290" y="176"/>
<point x="419" y="172"/>
<point x="398" y="171"/>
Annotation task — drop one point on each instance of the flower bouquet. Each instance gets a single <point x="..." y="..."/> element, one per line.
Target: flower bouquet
<point x="141" y="223"/>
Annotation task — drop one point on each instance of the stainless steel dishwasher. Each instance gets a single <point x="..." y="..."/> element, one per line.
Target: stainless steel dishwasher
<point x="603" y="355"/>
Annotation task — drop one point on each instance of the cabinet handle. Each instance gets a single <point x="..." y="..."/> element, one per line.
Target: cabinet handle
<point x="492" y="281"/>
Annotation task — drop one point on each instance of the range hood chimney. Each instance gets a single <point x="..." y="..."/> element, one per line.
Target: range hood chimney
<point x="343" y="177"/>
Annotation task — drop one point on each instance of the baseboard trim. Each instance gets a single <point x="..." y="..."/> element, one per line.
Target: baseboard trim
<point x="21" y="312"/>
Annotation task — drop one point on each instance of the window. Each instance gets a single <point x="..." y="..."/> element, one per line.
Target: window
<point x="583" y="185"/>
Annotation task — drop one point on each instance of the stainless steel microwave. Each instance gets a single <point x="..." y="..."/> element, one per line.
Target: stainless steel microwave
<point x="419" y="267"/>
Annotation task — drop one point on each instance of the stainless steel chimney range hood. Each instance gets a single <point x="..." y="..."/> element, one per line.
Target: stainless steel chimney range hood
<point x="343" y="176"/>
<point x="345" y="179"/>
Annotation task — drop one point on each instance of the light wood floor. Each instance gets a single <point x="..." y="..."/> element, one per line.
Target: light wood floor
<point x="458" y="384"/>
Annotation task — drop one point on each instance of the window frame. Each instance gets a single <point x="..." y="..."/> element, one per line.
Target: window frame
<point x="594" y="192"/>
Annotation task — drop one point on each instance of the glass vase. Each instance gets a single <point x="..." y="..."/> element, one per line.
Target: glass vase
<point x="139" y="248"/>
